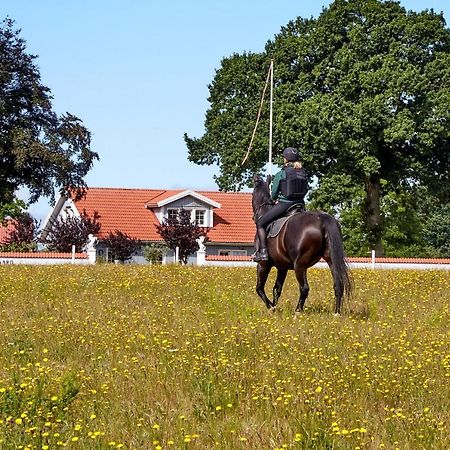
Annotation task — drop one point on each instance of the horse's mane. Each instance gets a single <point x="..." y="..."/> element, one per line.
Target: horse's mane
<point x="261" y="189"/>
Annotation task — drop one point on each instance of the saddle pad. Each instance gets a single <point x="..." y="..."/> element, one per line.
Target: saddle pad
<point x="275" y="227"/>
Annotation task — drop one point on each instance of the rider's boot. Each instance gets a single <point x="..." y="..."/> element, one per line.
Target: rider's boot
<point x="255" y="256"/>
<point x="262" y="244"/>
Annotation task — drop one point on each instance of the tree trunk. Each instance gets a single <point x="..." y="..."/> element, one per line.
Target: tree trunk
<point x="373" y="214"/>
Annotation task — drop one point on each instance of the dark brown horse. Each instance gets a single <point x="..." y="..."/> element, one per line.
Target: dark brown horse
<point x="304" y="239"/>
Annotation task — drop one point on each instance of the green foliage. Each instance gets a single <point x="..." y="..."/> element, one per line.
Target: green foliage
<point x="362" y="91"/>
<point x="121" y="246"/>
<point x="38" y="149"/>
<point x="436" y="232"/>
<point x="70" y="231"/>
<point x="11" y="209"/>
<point x="154" y="252"/>
<point x="179" y="231"/>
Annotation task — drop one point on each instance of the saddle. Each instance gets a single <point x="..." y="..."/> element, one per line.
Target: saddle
<point x="275" y="227"/>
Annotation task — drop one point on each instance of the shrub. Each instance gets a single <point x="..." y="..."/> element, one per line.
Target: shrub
<point x="121" y="246"/>
<point x="153" y="253"/>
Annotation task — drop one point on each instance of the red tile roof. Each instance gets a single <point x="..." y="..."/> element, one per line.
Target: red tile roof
<point x="228" y="258"/>
<point x="4" y="232"/>
<point x="124" y="210"/>
<point x="400" y="260"/>
<point x="42" y="255"/>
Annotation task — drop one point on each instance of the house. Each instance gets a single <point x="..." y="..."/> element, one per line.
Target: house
<point x="227" y="215"/>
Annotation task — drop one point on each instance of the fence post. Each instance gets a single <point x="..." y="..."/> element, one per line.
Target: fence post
<point x="73" y="254"/>
<point x="201" y="252"/>
<point x="92" y="255"/>
<point x="201" y="257"/>
<point x="373" y="259"/>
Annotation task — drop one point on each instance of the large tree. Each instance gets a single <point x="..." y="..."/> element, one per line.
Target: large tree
<point x="363" y="91"/>
<point x="38" y="149"/>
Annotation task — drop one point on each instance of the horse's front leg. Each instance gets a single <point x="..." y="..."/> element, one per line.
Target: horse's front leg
<point x="277" y="288"/>
<point x="262" y="271"/>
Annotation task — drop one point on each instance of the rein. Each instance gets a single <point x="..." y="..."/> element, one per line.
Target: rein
<point x="255" y="214"/>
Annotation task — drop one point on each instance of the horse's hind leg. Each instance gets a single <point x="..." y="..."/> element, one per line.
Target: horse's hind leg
<point x="262" y="272"/>
<point x="300" y="273"/>
<point x="281" y="276"/>
<point x="338" y="288"/>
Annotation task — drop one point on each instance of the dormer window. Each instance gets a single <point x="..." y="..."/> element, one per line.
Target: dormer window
<point x="200" y="217"/>
<point x="172" y="213"/>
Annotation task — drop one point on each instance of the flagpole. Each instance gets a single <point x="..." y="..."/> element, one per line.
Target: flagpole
<point x="270" y="118"/>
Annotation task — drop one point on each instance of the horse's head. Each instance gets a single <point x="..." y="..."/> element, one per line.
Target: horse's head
<point x="261" y="193"/>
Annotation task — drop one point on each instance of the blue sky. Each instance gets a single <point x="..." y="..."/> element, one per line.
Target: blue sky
<point x="137" y="73"/>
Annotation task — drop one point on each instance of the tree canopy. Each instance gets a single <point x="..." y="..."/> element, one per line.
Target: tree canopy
<point x="362" y="91"/>
<point x="38" y="149"/>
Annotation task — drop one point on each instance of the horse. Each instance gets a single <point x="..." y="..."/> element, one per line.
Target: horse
<point x="303" y="240"/>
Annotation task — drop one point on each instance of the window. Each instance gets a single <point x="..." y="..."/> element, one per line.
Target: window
<point x="232" y="252"/>
<point x="200" y="217"/>
<point x="68" y="212"/>
<point x="172" y="213"/>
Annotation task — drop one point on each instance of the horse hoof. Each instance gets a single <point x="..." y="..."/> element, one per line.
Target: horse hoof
<point x="337" y="314"/>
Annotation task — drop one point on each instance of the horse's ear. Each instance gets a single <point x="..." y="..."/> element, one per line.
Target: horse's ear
<point x="256" y="179"/>
<point x="269" y="179"/>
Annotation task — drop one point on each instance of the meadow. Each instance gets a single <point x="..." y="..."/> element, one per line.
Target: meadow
<point x="157" y="357"/>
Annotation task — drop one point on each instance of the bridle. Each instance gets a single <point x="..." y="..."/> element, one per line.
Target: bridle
<point x="255" y="213"/>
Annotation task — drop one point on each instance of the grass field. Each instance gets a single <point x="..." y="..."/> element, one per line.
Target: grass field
<point x="154" y="357"/>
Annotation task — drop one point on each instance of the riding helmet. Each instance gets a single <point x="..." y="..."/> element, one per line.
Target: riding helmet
<point x="290" y="154"/>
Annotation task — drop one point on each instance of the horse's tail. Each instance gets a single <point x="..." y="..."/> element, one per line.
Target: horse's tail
<point x="339" y="268"/>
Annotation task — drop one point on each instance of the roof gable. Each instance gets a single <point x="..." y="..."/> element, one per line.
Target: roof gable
<point x="165" y="200"/>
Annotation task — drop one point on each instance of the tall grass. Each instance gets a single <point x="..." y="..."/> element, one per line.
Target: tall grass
<point x="183" y="357"/>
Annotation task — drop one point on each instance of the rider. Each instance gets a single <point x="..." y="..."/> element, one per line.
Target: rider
<point x="278" y="194"/>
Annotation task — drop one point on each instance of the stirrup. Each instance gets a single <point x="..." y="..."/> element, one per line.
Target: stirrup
<point x="263" y="255"/>
<point x="256" y="257"/>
